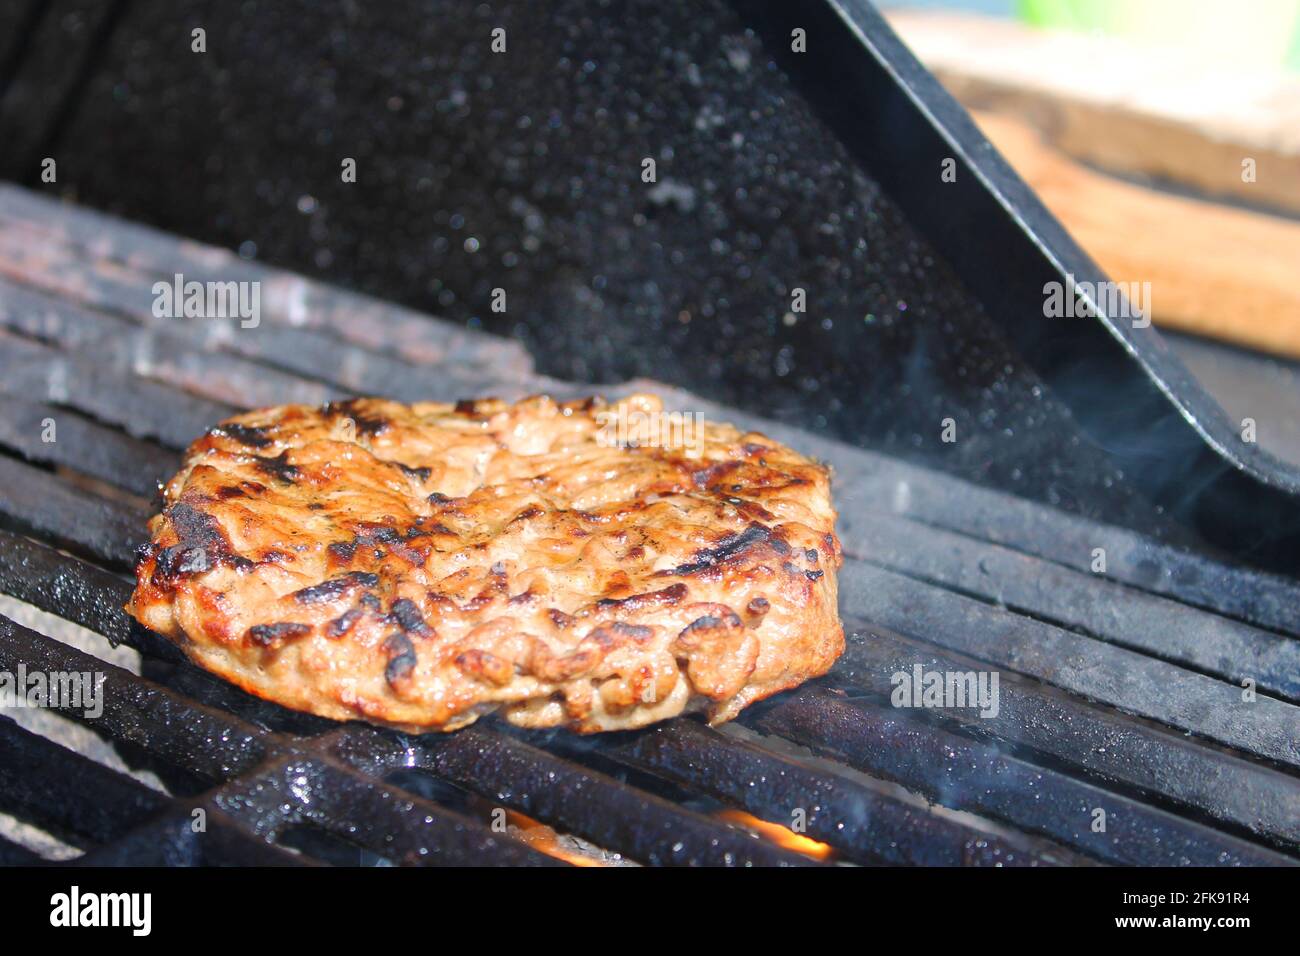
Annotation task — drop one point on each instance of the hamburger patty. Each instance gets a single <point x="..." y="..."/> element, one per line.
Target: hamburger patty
<point x="587" y="565"/>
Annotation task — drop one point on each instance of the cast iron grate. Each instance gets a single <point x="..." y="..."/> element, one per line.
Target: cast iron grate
<point x="1120" y="691"/>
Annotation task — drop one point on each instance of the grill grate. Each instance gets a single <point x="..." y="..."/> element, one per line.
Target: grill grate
<point x="1119" y="691"/>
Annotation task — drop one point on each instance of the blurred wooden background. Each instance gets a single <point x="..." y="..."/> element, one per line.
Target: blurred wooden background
<point x="1165" y="167"/>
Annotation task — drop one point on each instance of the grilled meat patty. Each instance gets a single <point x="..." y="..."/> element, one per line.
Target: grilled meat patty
<point x="594" y="566"/>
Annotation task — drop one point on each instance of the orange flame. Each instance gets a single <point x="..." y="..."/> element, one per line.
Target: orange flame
<point x="545" y="840"/>
<point x="781" y="836"/>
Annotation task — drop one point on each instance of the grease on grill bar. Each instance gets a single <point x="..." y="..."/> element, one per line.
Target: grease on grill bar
<point x="1119" y="692"/>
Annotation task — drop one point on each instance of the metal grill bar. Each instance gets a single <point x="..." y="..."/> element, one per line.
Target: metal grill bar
<point x="100" y="452"/>
<point x="1115" y="748"/>
<point x="162" y="353"/>
<point x="1246" y="594"/>
<point x="863" y="824"/>
<point x="112" y="295"/>
<point x="962" y="774"/>
<point x="142" y="408"/>
<point x="378" y="326"/>
<point x="1125" y="679"/>
<point x="1155" y="625"/>
<point x="278" y="360"/>
<point x="220" y="748"/>
<point x="86" y="803"/>
<point x="170" y="840"/>
<point x="77" y="591"/>
<point x="32" y="500"/>
<point x="67" y="794"/>
<point x="385" y="820"/>
<point x="577" y="800"/>
<point x="208" y="743"/>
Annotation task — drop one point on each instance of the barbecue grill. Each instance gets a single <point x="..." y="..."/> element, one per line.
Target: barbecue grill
<point x="1120" y="691"/>
<point x="1121" y="695"/>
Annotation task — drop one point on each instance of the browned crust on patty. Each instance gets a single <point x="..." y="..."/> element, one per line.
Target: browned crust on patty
<point x="420" y="566"/>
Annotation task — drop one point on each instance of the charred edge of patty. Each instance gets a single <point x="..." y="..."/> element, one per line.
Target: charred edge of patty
<point x="201" y="545"/>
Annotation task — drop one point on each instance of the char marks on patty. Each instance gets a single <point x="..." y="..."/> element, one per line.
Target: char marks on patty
<point x="554" y="576"/>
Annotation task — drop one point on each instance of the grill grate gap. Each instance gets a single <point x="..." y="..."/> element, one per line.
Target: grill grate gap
<point x="22" y="843"/>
